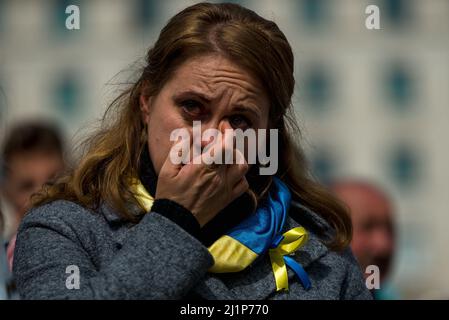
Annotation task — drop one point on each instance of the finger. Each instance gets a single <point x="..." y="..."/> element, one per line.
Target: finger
<point x="211" y="153"/>
<point x="240" y="188"/>
<point x="235" y="173"/>
<point x="196" y="165"/>
<point x="175" y="158"/>
<point x="239" y="158"/>
<point x="228" y="148"/>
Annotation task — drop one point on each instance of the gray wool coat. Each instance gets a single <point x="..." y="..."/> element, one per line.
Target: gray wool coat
<point x="157" y="259"/>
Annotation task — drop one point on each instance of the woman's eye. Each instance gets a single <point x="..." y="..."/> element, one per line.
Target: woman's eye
<point x="192" y="107"/>
<point x="240" y="122"/>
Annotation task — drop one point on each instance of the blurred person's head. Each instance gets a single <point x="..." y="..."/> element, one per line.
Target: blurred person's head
<point x="32" y="154"/>
<point x="373" y="223"/>
<point x="2" y="94"/>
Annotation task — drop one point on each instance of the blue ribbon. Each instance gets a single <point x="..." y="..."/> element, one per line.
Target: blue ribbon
<point x="299" y="271"/>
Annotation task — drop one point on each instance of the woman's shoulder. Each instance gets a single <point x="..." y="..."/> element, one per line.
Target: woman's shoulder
<point x="341" y="267"/>
<point x="320" y="233"/>
<point x="311" y="221"/>
<point x="57" y="208"/>
<point x="58" y="213"/>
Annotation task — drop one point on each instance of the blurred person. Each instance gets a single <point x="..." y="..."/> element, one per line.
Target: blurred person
<point x="129" y="223"/>
<point x="3" y="263"/>
<point x="373" y="240"/>
<point x="32" y="156"/>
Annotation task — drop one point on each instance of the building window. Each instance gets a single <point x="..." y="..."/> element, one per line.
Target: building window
<point x="397" y="12"/>
<point x="2" y="16"/>
<point x="146" y="12"/>
<point x="317" y="88"/>
<point x="2" y="102"/>
<point x="400" y="88"/>
<point x="404" y="166"/>
<point x="323" y="165"/>
<point x="314" y="13"/>
<point x="67" y="94"/>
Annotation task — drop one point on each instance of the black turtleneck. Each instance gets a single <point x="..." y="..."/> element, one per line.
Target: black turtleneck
<point x="223" y="221"/>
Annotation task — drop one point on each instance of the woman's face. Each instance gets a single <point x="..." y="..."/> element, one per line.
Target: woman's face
<point x="211" y="89"/>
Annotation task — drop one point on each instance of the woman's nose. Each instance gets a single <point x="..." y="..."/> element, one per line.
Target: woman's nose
<point x="221" y="128"/>
<point x="224" y="125"/>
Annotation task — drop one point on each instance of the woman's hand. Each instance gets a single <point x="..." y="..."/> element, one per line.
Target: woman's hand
<point x="203" y="189"/>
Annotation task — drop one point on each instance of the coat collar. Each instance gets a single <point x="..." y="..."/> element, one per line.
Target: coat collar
<point x="109" y="214"/>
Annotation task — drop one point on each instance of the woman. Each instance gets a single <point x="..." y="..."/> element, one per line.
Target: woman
<point x="128" y="223"/>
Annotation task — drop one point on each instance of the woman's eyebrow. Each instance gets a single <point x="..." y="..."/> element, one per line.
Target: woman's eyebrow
<point x="247" y="108"/>
<point x="189" y="93"/>
<point x="239" y="107"/>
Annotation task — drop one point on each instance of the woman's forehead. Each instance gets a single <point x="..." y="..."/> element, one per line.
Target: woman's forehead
<point x="214" y="75"/>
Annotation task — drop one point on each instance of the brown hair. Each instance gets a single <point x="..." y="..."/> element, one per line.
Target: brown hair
<point x="112" y="154"/>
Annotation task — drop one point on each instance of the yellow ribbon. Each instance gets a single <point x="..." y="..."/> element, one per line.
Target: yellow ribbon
<point x="293" y="240"/>
<point x="141" y="194"/>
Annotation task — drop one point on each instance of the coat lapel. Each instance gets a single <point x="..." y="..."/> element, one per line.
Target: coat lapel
<point x="119" y="226"/>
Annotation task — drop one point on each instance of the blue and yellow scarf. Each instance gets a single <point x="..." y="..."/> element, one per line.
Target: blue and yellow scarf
<point x="254" y="236"/>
